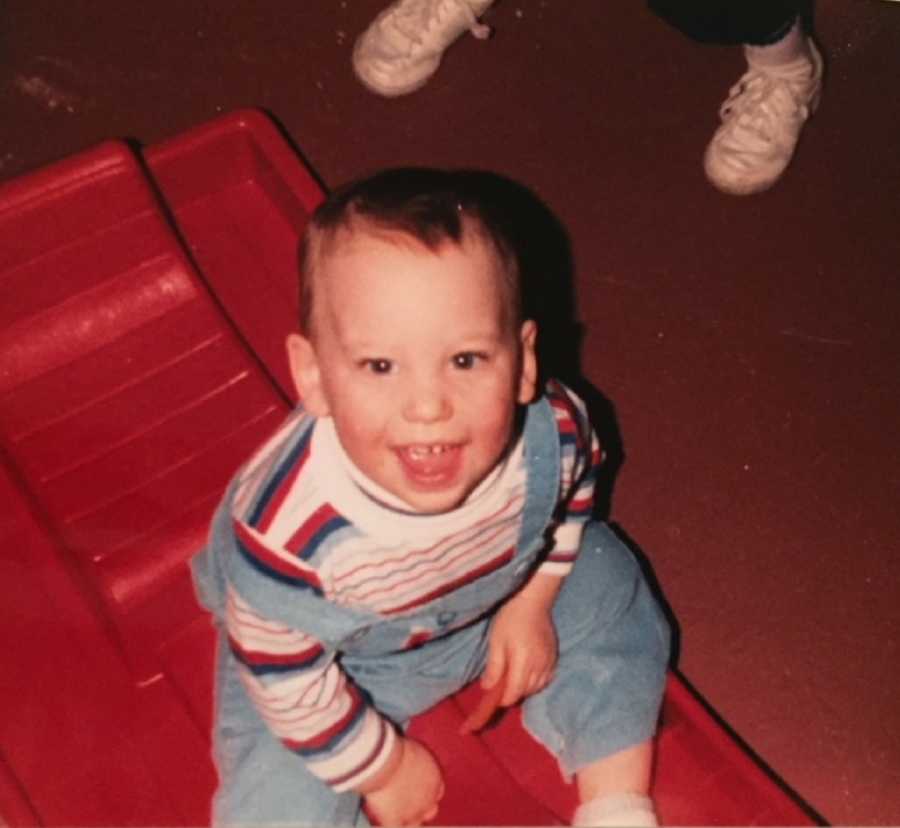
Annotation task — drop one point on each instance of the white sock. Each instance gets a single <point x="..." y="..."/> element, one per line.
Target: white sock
<point x="792" y="46"/>
<point x="624" y="809"/>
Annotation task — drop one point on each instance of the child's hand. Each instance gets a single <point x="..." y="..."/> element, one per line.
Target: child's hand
<point x="411" y="794"/>
<point x="523" y="646"/>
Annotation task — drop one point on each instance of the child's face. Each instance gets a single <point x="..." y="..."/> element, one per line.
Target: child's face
<point x="416" y="359"/>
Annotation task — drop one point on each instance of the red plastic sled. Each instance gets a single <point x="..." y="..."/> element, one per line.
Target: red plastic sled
<point x="145" y="303"/>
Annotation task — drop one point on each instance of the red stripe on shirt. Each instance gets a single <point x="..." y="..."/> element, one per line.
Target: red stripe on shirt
<point x="269" y="560"/>
<point x="581" y="504"/>
<point x="257" y="657"/>
<point x="462" y="535"/>
<point x="425" y="571"/>
<point x="309" y="528"/>
<point x="324" y="737"/>
<point x="367" y="762"/>
<point x="473" y="575"/>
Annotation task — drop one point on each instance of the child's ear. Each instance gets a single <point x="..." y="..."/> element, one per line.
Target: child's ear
<point x="305" y="372"/>
<point x="529" y="370"/>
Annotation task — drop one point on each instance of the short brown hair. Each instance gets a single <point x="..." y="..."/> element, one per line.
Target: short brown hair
<point x="432" y="206"/>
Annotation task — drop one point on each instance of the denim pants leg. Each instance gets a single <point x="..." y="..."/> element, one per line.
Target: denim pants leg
<point x="614" y="645"/>
<point x="613" y="653"/>
<point x="407" y="684"/>
<point x="260" y="781"/>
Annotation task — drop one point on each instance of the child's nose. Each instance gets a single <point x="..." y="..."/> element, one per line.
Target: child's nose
<point x="427" y="402"/>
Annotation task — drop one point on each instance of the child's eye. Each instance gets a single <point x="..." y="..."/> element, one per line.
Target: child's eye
<point x="468" y="359"/>
<point x="378" y="366"/>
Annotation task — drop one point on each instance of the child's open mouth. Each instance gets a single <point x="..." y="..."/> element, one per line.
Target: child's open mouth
<point x="430" y="464"/>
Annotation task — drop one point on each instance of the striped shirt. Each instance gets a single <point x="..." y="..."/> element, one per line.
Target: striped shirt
<point x="304" y="515"/>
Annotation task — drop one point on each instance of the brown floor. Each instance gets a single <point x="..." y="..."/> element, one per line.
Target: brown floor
<point x="746" y="344"/>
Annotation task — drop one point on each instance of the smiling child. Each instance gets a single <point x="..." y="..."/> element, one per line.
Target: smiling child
<point x="422" y="519"/>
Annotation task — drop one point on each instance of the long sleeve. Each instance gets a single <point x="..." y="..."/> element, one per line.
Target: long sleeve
<point x="306" y="699"/>
<point x="581" y="456"/>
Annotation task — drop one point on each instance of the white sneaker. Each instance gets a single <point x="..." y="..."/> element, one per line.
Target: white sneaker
<point x="403" y="46"/>
<point x="761" y="123"/>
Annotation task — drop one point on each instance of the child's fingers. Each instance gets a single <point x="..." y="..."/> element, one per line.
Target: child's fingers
<point x="540" y="682"/>
<point x="494" y="669"/>
<point x="524" y="681"/>
<point x="503" y="693"/>
<point x="488" y="705"/>
<point x="516" y="688"/>
<point x="521" y="677"/>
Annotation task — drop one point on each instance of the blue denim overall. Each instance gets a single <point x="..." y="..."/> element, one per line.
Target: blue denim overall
<point x="605" y="696"/>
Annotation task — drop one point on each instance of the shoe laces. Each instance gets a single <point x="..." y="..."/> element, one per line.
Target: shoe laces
<point x="766" y="100"/>
<point x="422" y="21"/>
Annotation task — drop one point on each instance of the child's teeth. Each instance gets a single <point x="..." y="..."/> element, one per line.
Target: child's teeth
<point x="424" y="451"/>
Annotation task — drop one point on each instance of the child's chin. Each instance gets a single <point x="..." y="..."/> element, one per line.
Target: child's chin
<point x="433" y="503"/>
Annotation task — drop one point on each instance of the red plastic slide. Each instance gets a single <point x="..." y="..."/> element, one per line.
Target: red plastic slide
<point x="145" y="300"/>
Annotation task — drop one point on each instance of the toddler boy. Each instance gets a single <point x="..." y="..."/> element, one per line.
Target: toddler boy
<point x="422" y="518"/>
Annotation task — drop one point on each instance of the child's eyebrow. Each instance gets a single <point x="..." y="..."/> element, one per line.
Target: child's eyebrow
<point x="364" y="345"/>
<point x="493" y="334"/>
